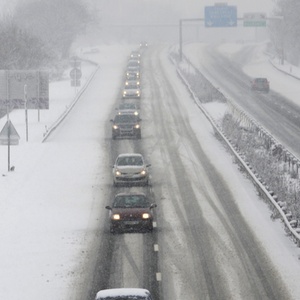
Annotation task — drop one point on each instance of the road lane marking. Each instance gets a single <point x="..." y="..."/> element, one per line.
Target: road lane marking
<point x="158" y="276"/>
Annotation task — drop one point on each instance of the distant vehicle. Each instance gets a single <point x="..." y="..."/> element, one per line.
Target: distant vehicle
<point x="133" y="75"/>
<point x="128" y="107"/>
<point x="131" y="212"/>
<point x="134" y="60"/>
<point x="143" y="44"/>
<point x="260" y="84"/>
<point x="135" y="54"/>
<point x="124" y="294"/>
<point x="132" y="81"/>
<point x="133" y="67"/>
<point x="130" y="169"/>
<point x="126" y="125"/>
<point x="131" y="91"/>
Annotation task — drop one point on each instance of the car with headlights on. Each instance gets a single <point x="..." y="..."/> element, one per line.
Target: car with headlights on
<point x="130" y="169"/>
<point x="133" y="82"/>
<point x="126" y="125"/>
<point x="131" y="90"/>
<point x="133" y="75"/>
<point x="128" y="107"/>
<point x="143" y="44"/>
<point x="133" y="67"/>
<point x="131" y="212"/>
<point x="124" y="294"/>
<point x="135" y="55"/>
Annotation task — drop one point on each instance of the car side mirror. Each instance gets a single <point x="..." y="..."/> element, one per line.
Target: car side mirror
<point x="108" y="207"/>
<point x="153" y="205"/>
<point x="111" y="120"/>
<point x="148" y="165"/>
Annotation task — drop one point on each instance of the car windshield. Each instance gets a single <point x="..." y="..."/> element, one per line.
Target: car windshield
<point x="127" y="106"/>
<point x="261" y="80"/>
<point x="125" y="119"/>
<point x="131" y="86"/>
<point x="130" y="161"/>
<point x="131" y="201"/>
<point x="133" y="64"/>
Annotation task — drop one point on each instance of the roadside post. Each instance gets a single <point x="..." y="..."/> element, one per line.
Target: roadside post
<point x="26" y="110"/>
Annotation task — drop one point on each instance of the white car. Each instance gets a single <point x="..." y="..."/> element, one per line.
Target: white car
<point x="124" y="294"/>
<point x="130" y="169"/>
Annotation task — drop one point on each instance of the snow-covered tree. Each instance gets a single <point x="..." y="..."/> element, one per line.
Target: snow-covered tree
<point x="285" y="32"/>
<point x="20" y="50"/>
<point x="56" y="22"/>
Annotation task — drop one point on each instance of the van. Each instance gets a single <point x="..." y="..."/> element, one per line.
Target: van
<point x="124" y="294"/>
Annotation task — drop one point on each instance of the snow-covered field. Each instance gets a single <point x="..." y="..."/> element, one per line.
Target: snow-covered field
<point x="42" y="235"/>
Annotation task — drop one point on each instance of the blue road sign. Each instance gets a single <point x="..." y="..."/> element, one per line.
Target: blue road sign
<point x="220" y="16"/>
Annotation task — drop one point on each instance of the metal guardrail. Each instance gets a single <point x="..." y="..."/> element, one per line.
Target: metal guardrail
<point x="69" y="108"/>
<point x="264" y="192"/>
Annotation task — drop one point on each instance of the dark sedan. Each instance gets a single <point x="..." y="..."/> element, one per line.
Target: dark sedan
<point x="131" y="212"/>
<point x="126" y="125"/>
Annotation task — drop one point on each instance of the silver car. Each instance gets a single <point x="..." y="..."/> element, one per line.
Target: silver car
<point x="130" y="169"/>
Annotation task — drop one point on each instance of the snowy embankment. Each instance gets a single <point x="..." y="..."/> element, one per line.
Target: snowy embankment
<point x="275" y="72"/>
<point x="46" y="201"/>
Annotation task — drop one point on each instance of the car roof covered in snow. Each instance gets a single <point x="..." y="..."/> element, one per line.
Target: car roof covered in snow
<point x="122" y="292"/>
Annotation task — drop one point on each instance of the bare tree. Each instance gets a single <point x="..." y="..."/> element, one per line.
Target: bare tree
<point x="20" y="50"/>
<point x="285" y="32"/>
<point x="56" y="22"/>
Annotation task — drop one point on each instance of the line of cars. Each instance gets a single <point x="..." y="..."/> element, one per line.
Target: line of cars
<point x="127" y="122"/>
<point x="130" y="211"/>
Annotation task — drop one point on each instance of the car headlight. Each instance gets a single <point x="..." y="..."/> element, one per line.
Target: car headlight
<point x="137" y="126"/>
<point x="145" y="216"/>
<point x="117" y="217"/>
<point x="118" y="173"/>
<point x="115" y="127"/>
<point x="136" y="113"/>
<point x="144" y="172"/>
<point x="124" y="93"/>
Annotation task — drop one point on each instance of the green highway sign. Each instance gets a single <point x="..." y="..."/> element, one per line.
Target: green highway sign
<point x="255" y="20"/>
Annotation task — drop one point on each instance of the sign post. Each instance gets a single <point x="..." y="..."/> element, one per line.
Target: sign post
<point x="75" y="75"/>
<point x="26" y="110"/>
<point x="9" y="136"/>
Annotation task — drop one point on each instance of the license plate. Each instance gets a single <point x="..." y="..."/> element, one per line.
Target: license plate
<point x="131" y="222"/>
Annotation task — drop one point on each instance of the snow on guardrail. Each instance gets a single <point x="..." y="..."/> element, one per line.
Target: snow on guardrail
<point x="264" y="192"/>
<point x="69" y="108"/>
